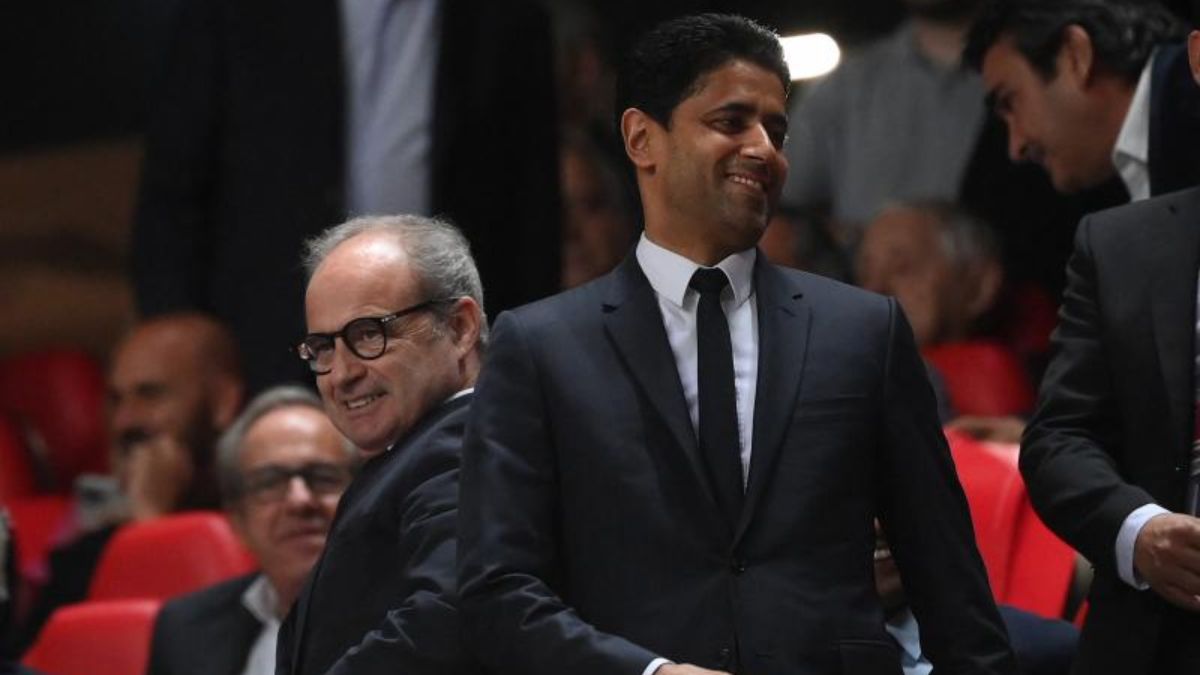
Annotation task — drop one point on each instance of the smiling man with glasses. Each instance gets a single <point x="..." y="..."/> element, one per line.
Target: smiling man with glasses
<point x="282" y="468"/>
<point x="396" y="331"/>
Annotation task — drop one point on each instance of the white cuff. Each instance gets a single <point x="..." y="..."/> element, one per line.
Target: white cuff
<point x="654" y="665"/>
<point x="1127" y="537"/>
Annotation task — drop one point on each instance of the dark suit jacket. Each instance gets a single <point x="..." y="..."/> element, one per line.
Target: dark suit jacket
<point x="245" y="155"/>
<point x="208" y="632"/>
<point x="1113" y="427"/>
<point x="1174" y="122"/>
<point x="382" y="598"/>
<point x="591" y="543"/>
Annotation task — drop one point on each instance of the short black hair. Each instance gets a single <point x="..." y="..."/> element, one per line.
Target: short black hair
<point x="1123" y="32"/>
<point x="666" y="64"/>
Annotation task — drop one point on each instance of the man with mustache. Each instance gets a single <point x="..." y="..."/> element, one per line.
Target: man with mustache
<point x="674" y="469"/>
<point x="1092" y="89"/>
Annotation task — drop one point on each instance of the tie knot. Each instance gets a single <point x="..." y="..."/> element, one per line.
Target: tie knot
<point x="709" y="280"/>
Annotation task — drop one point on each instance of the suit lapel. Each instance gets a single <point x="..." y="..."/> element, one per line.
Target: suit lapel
<point x="1175" y="252"/>
<point x="783" y="326"/>
<point x="634" y="322"/>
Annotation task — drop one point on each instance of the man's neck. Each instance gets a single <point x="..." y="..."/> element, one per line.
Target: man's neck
<point x="941" y="41"/>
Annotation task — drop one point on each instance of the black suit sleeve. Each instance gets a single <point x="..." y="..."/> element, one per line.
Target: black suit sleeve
<point x="159" y="662"/>
<point x="1066" y="457"/>
<point x="509" y="564"/>
<point x="171" y="235"/>
<point x="924" y="513"/>
<point x="422" y="634"/>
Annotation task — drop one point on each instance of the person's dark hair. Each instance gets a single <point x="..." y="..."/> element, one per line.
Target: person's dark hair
<point x="667" y="64"/>
<point x="1123" y="32"/>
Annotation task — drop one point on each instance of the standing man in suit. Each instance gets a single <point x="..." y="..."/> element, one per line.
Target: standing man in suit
<point x="396" y="334"/>
<point x="1110" y="456"/>
<point x="675" y="469"/>
<point x="1092" y="89"/>
<point x="275" y="119"/>
<point x="282" y="467"/>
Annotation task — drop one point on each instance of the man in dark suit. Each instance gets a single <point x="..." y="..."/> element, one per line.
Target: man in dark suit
<point x="1110" y="455"/>
<point x="395" y="314"/>
<point x="231" y="628"/>
<point x="275" y="120"/>
<point x="680" y="463"/>
<point x="1092" y="89"/>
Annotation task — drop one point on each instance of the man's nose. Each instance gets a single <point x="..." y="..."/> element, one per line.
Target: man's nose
<point x="346" y="366"/>
<point x="298" y="493"/>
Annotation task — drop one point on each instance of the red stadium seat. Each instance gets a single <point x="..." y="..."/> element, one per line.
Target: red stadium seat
<point x="996" y="497"/>
<point x="111" y="637"/>
<point x="982" y="378"/>
<point x="39" y="523"/>
<point x="58" y="395"/>
<point x="1028" y="566"/>
<point x="17" y="477"/>
<point x="169" y="556"/>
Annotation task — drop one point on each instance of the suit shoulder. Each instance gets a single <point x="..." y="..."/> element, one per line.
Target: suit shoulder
<point x="218" y="600"/>
<point x="1130" y="223"/>
<point x="830" y="294"/>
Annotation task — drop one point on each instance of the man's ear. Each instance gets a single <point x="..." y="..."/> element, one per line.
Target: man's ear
<point x="1194" y="54"/>
<point x="984" y="287"/>
<point x="465" y="324"/>
<point x="227" y="393"/>
<point x="1076" y="56"/>
<point x="636" y="132"/>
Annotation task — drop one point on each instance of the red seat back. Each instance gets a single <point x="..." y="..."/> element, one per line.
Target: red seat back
<point x="1028" y="566"/>
<point x="96" y="637"/>
<point x="982" y="378"/>
<point x="996" y="497"/>
<point x="169" y="556"/>
<point x="58" y="394"/>
<point x="17" y="477"/>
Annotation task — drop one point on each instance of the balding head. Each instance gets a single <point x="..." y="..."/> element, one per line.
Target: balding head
<point x="175" y="381"/>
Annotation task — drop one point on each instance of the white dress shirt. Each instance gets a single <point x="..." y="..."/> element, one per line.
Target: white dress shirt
<point x="261" y="601"/>
<point x="1131" y="153"/>
<point x="669" y="274"/>
<point x="904" y="630"/>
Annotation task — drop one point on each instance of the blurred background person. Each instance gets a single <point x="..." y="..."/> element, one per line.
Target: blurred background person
<point x="283" y="466"/>
<point x="599" y="224"/>
<point x="174" y="385"/>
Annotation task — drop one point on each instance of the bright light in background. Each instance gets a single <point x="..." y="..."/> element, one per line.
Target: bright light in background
<point x="810" y="55"/>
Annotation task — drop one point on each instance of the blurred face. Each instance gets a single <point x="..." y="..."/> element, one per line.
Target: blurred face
<point x="1055" y="124"/>
<point x="902" y="255"/>
<point x="597" y="234"/>
<point x="721" y="164"/>
<point x="375" y="402"/>
<point x="158" y="388"/>
<point x="284" y="518"/>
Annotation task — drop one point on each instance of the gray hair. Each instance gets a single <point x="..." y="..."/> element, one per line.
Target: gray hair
<point x="966" y="239"/>
<point x="438" y="251"/>
<point x="229" y="447"/>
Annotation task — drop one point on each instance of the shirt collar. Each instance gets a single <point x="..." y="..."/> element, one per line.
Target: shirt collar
<point x="261" y="600"/>
<point x="669" y="273"/>
<point x="903" y="628"/>
<point x="1133" y="141"/>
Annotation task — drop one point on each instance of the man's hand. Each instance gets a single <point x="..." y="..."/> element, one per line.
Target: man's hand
<point x="1167" y="556"/>
<point x="997" y="429"/>
<point x="685" y="669"/>
<point x="156" y="475"/>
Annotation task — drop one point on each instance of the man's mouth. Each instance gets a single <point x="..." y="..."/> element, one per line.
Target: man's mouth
<point x="748" y="181"/>
<point x="361" y="402"/>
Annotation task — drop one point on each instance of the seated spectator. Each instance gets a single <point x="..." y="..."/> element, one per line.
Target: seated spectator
<point x="174" y="385"/>
<point x="1043" y="646"/>
<point x="232" y="627"/>
<point x="8" y="584"/>
<point x="941" y="264"/>
<point x="600" y="225"/>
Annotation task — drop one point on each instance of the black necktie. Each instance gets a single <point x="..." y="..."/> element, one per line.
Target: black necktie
<point x="718" y="405"/>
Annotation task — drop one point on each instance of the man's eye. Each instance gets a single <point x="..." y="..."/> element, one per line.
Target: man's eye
<point x="727" y="124"/>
